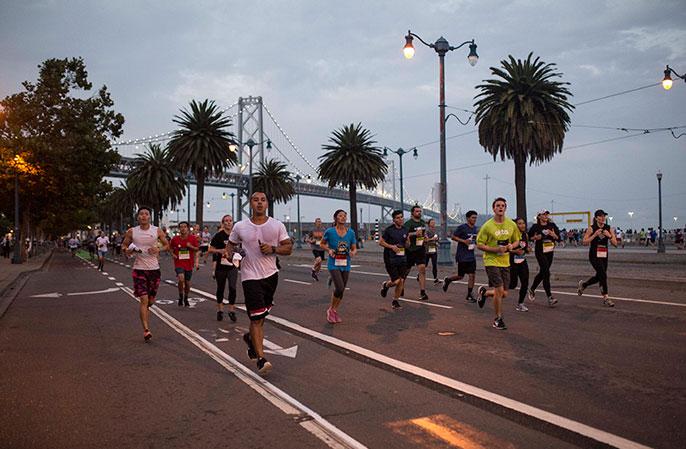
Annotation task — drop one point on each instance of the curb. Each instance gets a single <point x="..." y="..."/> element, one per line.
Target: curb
<point x="9" y="293"/>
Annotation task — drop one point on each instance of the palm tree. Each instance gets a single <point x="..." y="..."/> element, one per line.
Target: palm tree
<point x="523" y="116"/>
<point x="117" y="206"/>
<point x="275" y="181"/>
<point x="155" y="182"/>
<point x="201" y="146"/>
<point x="352" y="160"/>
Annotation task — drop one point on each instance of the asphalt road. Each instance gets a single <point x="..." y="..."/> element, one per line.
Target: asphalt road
<point x="76" y="372"/>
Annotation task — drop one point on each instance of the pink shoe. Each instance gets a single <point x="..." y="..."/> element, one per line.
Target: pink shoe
<point x="330" y="316"/>
<point x="336" y="317"/>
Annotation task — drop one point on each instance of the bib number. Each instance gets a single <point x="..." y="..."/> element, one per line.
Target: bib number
<point x="548" y="247"/>
<point x="431" y="249"/>
<point x="471" y="247"/>
<point x="519" y="259"/>
<point x="401" y="252"/>
<point x="318" y="242"/>
<point x="184" y="254"/>
<point x="225" y="261"/>
<point x="341" y="260"/>
<point x="601" y="252"/>
<point x="420" y="241"/>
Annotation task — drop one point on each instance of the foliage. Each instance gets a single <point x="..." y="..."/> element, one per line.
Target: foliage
<point x="273" y="178"/>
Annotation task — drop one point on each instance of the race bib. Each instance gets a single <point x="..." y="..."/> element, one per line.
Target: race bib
<point x="184" y="254"/>
<point x="341" y="260"/>
<point x="519" y="259"/>
<point x="601" y="252"/>
<point x="471" y="247"/>
<point x="225" y="261"/>
<point x="420" y="241"/>
<point x="401" y="252"/>
<point x="431" y="249"/>
<point x="318" y="242"/>
<point x="548" y="247"/>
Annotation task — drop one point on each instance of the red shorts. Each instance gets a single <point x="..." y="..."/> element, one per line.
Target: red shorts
<point x="146" y="283"/>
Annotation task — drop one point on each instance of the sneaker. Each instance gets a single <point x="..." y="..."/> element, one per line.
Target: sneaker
<point x="580" y="289"/>
<point x="384" y="289"/>
<point x="263" y="366"/>
<point x="470" y="298"/>
<point x="482" y="297"/>
<point x="499" y="324"/>
<point x="551" y="301"/>
<point x="147" y="335"/>
<point x="436" y="281"/>
<point x="180" y="302"/>
<point x="446" y="283"/>
<point x="251" y="350"/>
<point x="232" y="316"/>
<point x="315" y="276"/>
<point x="336" y="317"/>
<point x="186" y="303"/>
<point x="608" y="302"/>
<point x="330" y="317"/>
<point x="423" y="297"/>
<point x="521" y="308"/>
<point x="396" y="304"/>
<point x="531" y="295"/>
<point x="417" y="278"/>
<point x="220" y="316"/>
<point x="225" y="301"/>
<point x="329" y="282"/>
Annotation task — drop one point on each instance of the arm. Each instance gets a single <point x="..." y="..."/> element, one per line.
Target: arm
<point x="493" y="249"/>
<point x="163" y="238"/>
<point x="285" y="248"/>
<point x="589" y="235"/>
<point x="353" y="250"/>
<point x="613" y="237"/>
<point x="128" y="238"/>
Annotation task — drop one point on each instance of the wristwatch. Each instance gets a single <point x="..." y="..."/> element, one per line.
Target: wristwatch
<point x="273" y="249"/>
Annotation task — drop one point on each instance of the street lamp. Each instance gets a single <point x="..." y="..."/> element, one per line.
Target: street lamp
<point x="660" y="241"/>
<point x="667" y="80"/>
<point x="441" y="46"/>
<point x="16" y="258"/>
<point x="401" y="152"/>
<point x="251" y="143"/>
<point x="233" y="209"/>
<point x="298" y="242"/>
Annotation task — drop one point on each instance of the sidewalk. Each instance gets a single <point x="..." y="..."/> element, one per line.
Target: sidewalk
<point x="10" y="272"/>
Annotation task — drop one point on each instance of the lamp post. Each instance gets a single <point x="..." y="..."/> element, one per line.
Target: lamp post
<point x="667" y="80"/>
<point x="233" y="206"/>
<point x="250" y="143"/>
<point x="298" y="241"/>
<point x="660" y="241"/>
<point x="401" y="152"/>
<point x="441" y="46"/>
<point x="16" y="258"/>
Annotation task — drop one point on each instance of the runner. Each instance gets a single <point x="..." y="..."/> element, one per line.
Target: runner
<point x="431" y="247"/>
<point x="465" y="236"/>
<point x="598" y="236"/>
<point x="496" y="237"/>
<point x="101" y="243"/>
<point x="118" y="239"/>
<point x="544" y="234"/>
<point x="90" y="244"/>
<point x="395" y="242"/>
<point x="340" y="243"/>
<point x="184" y="248"/>
<point x="205" y="237"/>
<point x="225" y="268"/>
<point x="263" y="238"/>
<point x="315" y="240"/>
<point x="519" y="268"/>
<point x="73" y="245"/>
<point x="142" y="241"/>
<point x="416" y="254"/>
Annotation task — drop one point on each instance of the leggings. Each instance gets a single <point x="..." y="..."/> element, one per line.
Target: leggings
<point x="433" y="257"/>
<point x="545" y="260"/>
<point x="519" y="271"/>
<point x="222" y="275"/>
<point x="600" y="266"/>
<point x="340" y="280"/>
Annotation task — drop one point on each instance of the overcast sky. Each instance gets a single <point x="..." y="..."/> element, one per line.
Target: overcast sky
<point x="321" y="64"/>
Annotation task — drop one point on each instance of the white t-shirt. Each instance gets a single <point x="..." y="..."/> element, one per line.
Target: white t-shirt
<point x="256" y="265"/>
<point x="102" y="243"/>
<point x="73" y="243"/>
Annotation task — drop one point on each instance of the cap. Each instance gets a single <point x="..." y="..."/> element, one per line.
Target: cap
<point x="600" y="212"/>
<point x="543" y="212"/>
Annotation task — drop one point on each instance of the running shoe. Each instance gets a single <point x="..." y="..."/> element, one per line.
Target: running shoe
<point x="608" y="302"/>
<point x="263" y="366"/>
<point x="232" y="316"/>
<point x="482" y="297"/>
<point x="384" y="289"/>
<point x="252" y="354"/>
<point x="180" y="302"/>
<point x="551" y="301"/>
<point x="329" y="282"/>
<point x="423" y="297"/>
<point x="580" y="289"/>
<point x="531" y="295"/>
<point x="499" y="324"/>
<point x="336" y="317"/>
<point x="470" y="298"/>
<point x="225" y="301"/>
<point x="186" y="303"/>
<point x="315" y="276"/>
<point x="220" y="316"/>
<point x="147" y="335"/>
<point x="417" y="278"/>
<point x="436" y="281"/>
<point x="330" y="316"/>
<point x="521" y="308"/>
<point x="446" y="283"/>
<point x="396" y="304"/>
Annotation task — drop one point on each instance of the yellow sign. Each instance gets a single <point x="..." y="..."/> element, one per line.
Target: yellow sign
<point x="587" y="214"/>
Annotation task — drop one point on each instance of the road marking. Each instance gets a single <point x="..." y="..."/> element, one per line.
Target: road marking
<point x="273" y="348"/>
<point x="425" y="303"/>
<point x="450" y="431"/>
<point x="107" y="290"/>
<point x="306" y="417"/>
<point x="297" y="282"/>
<point x="105" y="274"/>
<point x="47" y="295"/>
<point x="119" y="284"/>
<point x="221" y="340"/>
<point x="112" y="278"/>
<point x="127" y="266"/>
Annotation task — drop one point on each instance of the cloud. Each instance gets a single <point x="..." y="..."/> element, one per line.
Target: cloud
<point x="671" y="39"/>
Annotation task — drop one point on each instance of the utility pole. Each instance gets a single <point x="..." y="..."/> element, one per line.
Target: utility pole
<point x="486" y="178"/>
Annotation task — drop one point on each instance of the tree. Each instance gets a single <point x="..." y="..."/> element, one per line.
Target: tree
<point x="155" y="182"/>
<point x="201" y="146"/>
<point x="275" y="181"/>
<point x="351" y="160"/>
<point x="523" y="116"/>
<point x="57" y="124"/>
<point x="118" y="207"/>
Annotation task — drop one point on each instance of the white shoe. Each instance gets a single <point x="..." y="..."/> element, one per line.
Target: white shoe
<point x="521" y="308"/>
<point x="531" y="295"/>
<point x="580" y="288"/>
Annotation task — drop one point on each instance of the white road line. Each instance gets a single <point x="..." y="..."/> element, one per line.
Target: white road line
<point x="127" y="266"/>
<point x="297" y="282"/>
<point x="494" y="398"/>
<point x="105" y="274"/>
<point x="316" y="424"/>
<point x="424" y="303"/>
<point x="112" y="278"/>
<point x="119" y="284"/>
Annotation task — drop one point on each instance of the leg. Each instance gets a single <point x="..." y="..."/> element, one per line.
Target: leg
<point x="220" y="277"/>
<point x="523" y="281"/>
<point x="422" y="276"/>
<point x="181" y="285"/>
<point x="144" y="311"/>
<point x="546" y="276"/>
<point x="498" y="294"/>
<point x="233" y="276"/>
<point x="257" y="336"/>
<point x="542" y="268"/>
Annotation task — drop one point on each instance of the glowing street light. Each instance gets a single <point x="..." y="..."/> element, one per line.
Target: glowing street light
<point x="667" y="80"/>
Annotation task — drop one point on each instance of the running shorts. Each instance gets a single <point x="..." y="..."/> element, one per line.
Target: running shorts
<point x="102" y="253"/>
<point x="259" y="296"/>
<point x="396" y="271"/>
<point x="498" y="276"/>
<point x="187" y="275"/>
<point x="318" y="253"/>
<point x="464" y="268"/>
<point x="417" y="257"/>
<point x="146" y="283"/>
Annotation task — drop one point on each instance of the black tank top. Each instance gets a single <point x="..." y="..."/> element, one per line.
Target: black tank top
<point x="599" y="244"/>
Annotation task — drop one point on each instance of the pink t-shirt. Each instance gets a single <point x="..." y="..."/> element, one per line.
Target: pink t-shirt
<point x="256" y="265"/>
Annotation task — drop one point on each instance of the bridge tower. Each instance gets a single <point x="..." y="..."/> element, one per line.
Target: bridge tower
<point x="249" y="126"/>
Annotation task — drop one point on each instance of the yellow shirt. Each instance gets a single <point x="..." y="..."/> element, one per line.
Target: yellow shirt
<point x="497" y="234"/>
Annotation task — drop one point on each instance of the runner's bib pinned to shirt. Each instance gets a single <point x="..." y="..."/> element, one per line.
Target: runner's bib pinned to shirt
<point x="341" y="260"/>
<point x="548" y="247"/>
<point x="519" y="258"/>
<point x="225" y="261"/>
<point x="420" y="236"/>
<point x="431" y="249"/>
<point x="184" y="254"/>
<point x="601" y="252"/>
<point x="401" y="252"/>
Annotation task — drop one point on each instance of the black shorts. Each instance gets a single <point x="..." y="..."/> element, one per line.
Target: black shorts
<point x="396" y="271"/>
<point x="204" y="249"/>
<point x="464" y="268"/>
<point x="498" y="276"/>
<point x="318" y="253"/>
<point x="417" y="257"/>
<point x="259" y="296"/>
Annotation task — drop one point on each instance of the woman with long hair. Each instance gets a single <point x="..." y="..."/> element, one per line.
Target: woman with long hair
<point x="519" y="268"/>
<point x="597" y="238"/>
<point x="340" y="242"/>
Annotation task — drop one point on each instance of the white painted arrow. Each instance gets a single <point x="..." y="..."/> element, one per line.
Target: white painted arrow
<point x="48" y="295"/>
<point x="273" y="348"/>
<point x="58" y="295"/>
